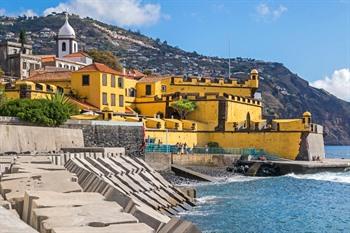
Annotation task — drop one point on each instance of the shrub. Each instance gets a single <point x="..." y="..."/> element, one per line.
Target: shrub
<point x="213" y="144"/>
<point x="53" y="111"/>
<point x="183" y="107"/>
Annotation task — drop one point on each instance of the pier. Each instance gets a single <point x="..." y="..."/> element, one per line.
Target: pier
<point x="283" y="167"/>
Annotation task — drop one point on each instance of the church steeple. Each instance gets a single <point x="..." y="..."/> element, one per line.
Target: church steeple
<point x="66" y="43"/>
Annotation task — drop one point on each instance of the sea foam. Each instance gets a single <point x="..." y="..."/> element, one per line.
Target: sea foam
<point x="339" y="177"/>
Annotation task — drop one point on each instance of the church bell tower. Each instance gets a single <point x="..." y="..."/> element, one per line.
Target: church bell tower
<point x="66" y="42"/>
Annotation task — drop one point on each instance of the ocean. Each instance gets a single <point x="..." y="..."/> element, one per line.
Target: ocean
<point x="292" y="203"/>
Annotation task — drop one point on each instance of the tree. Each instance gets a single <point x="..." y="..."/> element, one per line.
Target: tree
<point x="105" y="57"/>
<point x="1" y="73"/>
<point x="22" y="39"/>
<point x="147" y="72"/>
<point x="184" y="107"/>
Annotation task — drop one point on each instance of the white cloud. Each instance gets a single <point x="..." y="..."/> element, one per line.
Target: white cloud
<point x="29" y="13"/>
<point x="338" y="84"/>
<point x="267" y="12"/>
<point x="120" y="12"/>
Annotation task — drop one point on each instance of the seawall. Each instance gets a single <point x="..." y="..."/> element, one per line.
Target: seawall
<point x="129" y="135"/>
<point x="163" y="161"/>
<point x="19" y="139"/>
<point x="19" y="136"/>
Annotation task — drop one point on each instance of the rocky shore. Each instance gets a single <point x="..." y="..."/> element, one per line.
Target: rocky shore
<point x="218" y="172"/>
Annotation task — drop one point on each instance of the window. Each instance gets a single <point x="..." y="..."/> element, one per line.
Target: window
<point x="120" y="83"/>
<point x="75" y="48"/>
<point x="31" y="66"/>
<point x="66" y="66"/>
<point x="163" y="88"/>
<point x="121" y="101"/>
<point x="24" y="66"/>
<point x="104" y="79"/>
<point x="37" y="66"/>
<point x="104" y="98"/>
<point x="131" y="92"/>
<point x="148" y="89"/>
<point x="64" y="46"/>
<point x="112" y="99"/>
<point x="85" y="80"/>
<point x="112" y="81"/>
<point x="38" y="87"/>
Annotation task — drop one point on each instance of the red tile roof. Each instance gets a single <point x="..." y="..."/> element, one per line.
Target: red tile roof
<point x="151" y="79"/>
<point x="77" y="54"/>
<point x="83" y="105"/>
<point x="99" y="67"/>
<point x="50" y="73"/>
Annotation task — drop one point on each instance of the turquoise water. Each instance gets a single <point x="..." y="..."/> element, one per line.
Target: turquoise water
<point x="292" y="203"/>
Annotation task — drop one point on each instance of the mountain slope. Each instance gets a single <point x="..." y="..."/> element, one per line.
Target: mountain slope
<point x="285" y="94"/>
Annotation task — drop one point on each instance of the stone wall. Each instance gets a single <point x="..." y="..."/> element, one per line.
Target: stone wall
<point x="129" y="135"/>
<point x="162" y="161"/>
<point x="18" y="138"/>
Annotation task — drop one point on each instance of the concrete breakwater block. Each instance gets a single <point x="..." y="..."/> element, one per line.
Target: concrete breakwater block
<point x="124" y="228"/>
<point x="13" y="186"/>
<point x="10" y="223"/>
<point x="47" y="199"/>
<point x="177" y="225"/>
<point x="43" y="215"/>
<point x="144" y="185"/>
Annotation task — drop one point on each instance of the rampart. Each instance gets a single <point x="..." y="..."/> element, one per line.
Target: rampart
<point x="18" y="136"/>
<point x="19" y="139"/>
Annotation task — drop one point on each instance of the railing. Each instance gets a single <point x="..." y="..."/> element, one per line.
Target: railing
<point x="173" y="149"/>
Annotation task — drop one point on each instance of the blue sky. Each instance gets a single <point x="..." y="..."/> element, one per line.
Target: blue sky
<point x="312" y="38"/>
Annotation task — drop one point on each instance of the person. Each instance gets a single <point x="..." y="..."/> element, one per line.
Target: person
<point x="177" y="148"/>
<point x="206" y="149"/>
<point x="185" y="148"/>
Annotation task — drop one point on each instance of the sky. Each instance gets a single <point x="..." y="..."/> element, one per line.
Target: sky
<point x="311" y="38"/>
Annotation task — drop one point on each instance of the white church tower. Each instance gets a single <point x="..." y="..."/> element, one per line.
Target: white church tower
<point x="66" y="43"/>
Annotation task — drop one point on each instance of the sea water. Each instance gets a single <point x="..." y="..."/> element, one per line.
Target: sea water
<point x="292" y="203"/>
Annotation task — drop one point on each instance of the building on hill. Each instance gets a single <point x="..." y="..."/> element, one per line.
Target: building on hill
<point x="18" y="61"/>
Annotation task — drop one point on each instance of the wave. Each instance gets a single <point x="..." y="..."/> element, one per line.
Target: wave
<point x="206" y="199"/>
<point x="338" y="177"/>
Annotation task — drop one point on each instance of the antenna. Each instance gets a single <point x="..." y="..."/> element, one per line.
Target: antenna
<point x="229" y="58"/>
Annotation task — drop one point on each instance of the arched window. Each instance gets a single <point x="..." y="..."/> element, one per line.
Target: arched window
<point x="75" y="47"/>
<point x="64" y="47"/>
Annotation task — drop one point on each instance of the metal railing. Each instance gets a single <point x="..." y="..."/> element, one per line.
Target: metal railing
<point x="173" y="149"/>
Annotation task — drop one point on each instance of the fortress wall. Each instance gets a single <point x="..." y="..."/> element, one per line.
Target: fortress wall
<point x="129" y="135"/>
<point x="38" y="139"/>
<point x="312" y="147"/>
<point x="162" y="161"/>
<point x="284" y="144"/>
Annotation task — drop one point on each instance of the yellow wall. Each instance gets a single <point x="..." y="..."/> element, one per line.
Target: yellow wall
<point x="31" y="90"/>
<point x="94" y="91"/>
<point x="284" y="144"/>
<point x="237" y="111"/>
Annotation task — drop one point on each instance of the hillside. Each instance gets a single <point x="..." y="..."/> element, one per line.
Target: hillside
<point x="285" y="94"/>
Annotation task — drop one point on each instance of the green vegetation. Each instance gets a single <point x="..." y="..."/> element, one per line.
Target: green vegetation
<point x="2" y="96"/>
<point x="184" y="107"/>
<point x="1" y="73"/>
<point x="105" y="57"/>
<point x="52" y="111"/>
<point x="213" y="144"/>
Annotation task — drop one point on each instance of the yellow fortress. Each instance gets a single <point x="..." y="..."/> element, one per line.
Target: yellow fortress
<point x="226" y="111"/>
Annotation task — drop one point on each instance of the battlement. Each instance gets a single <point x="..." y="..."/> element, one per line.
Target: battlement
<point x="251" y="82"/>
<point x="205" y="96"/>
